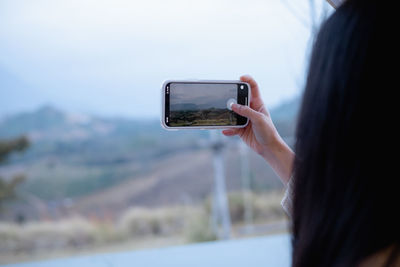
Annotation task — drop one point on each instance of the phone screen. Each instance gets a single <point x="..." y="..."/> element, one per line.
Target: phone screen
<point x="204" y="104"/>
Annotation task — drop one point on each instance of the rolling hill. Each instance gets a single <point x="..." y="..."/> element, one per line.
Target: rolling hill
<point x="89" y="164"/>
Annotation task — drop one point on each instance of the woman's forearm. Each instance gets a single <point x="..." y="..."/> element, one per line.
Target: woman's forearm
<point x="280" y="157"/>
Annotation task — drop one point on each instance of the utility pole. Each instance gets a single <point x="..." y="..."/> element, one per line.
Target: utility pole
<point x="220" y="209"/>
<point x="246" y="188"/>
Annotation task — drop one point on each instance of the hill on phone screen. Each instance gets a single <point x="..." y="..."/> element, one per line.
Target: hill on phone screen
<point x="202" y="117"/>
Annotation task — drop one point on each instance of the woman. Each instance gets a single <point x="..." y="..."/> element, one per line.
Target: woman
<point x="341" y="183"/>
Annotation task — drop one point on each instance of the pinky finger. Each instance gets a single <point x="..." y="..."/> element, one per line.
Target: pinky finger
<point x="230" y="132"/>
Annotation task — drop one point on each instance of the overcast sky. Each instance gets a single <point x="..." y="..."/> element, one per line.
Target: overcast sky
<point x="203" y="94"/>
<point x="111" y="57"/>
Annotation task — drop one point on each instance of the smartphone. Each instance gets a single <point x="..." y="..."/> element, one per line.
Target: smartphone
<point x="203" y="104"/>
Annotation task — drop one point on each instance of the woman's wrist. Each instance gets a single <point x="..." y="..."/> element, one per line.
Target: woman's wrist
<point x="273" y="147"/>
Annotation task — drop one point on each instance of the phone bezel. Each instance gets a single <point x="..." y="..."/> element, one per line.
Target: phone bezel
<point x="163" y="106"/>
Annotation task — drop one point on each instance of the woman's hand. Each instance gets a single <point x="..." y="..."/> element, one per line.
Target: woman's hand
<point x="261" y="135"/>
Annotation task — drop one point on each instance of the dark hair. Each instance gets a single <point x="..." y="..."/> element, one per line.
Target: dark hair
<point x="345" y="195"/>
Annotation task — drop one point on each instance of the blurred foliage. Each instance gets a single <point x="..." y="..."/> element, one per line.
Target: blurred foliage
<point x="7" y="189"/>
<point x="7" y="147"/>
<point x="199" y="229"/>
<point x="189" y="223"/>
<point x="139" y="222"/>
<point x="265" y="206"/>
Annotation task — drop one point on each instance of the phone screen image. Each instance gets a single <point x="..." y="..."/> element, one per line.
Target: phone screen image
<point x="202" y="104"/>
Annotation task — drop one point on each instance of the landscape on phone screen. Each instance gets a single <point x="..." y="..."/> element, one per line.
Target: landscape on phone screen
<point x="201" y="104"/>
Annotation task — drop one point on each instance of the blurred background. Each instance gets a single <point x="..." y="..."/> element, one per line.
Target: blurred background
<point x="85" y="166"/>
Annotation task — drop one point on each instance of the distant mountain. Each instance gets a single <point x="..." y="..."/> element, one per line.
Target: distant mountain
<point x="186" y="106"/>
<point x="217" y="103"/>
<point x="49" y="123"/>
<point x="45" y="118"/>
<point x="287" y="110"/>
<point x="284" y="117"/>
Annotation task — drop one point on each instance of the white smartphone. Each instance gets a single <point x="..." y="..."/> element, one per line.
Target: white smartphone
<point x="197" y="104"/>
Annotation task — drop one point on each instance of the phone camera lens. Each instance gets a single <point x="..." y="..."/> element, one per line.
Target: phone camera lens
<point x="242" y="87"/>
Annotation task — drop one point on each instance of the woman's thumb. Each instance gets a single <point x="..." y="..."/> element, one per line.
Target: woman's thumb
<point x="245" y="111"/>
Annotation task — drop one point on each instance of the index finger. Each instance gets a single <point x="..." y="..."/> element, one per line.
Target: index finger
<point x="255" y="91"/>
